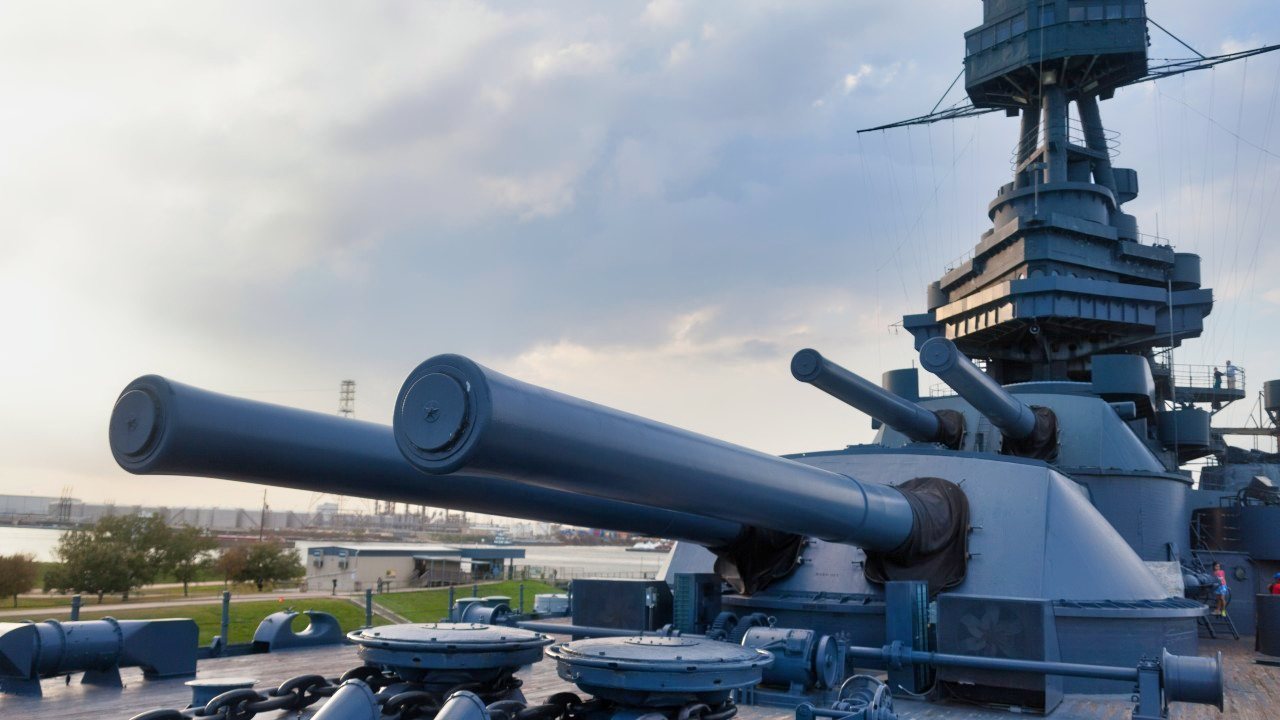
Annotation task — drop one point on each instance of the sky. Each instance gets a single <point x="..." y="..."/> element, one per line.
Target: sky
<point x="651" y="205"/>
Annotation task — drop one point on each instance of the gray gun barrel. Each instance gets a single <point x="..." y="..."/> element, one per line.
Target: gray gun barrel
<point x="916" y="422"/>
<point x="160" y="427"/>
<point x="453" y="414"/>
<point x="941" y="357"/>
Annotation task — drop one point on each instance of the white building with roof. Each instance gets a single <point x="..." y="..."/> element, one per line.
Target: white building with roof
<point x="352" y="567"/>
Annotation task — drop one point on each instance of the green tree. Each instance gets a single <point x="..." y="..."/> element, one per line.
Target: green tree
<point x="86" y="565"/>
<point x="187" y="553"/>
<point x="232" y="562"/>
<point x="17" y="575"/>
<point x="114" y="555"/>
<point x="260" y="563"/>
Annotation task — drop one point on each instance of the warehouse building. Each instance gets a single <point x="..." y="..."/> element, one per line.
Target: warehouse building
<point x="356" y="566"/>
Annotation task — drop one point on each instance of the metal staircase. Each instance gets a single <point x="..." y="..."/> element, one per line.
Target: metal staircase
<point x="1213" y="624"/>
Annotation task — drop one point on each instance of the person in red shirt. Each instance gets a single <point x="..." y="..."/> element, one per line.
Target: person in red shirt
<point x="1275" y="586"/>
<point x="1221" y="591"/>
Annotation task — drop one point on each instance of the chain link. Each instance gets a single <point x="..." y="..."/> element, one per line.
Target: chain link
<point x="303" y="691"/>
<point x="410" y="701"/>
<point x="412" y="704"/>
<point x="568" y="706"/>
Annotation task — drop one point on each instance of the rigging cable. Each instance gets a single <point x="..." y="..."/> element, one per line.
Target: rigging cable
<point x="1164" y="210"/>
<point x="1175" y="37"/>
<point x="950" y="173"/>
<point x="937" y="208"/>
<point x="1234" y="211"/>
<point x="896" y="204"/>
<point x="866" y="194"/>
<point x="1264" y="211"/>
<point x="917" y="248"/>
<point x="948" y="90"/>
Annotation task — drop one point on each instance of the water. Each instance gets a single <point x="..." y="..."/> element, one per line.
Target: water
<point x="573" y="559"/>
<point x="37" y="541"/>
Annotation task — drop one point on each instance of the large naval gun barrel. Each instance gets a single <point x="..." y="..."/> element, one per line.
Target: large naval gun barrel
<point x="161" y="427"/>
<point x="1028" y="431"/>
<point x="452" y="414"/>
<point x="911" y="419"/>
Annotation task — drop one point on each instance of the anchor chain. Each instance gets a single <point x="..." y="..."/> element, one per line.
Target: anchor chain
<point x="410" y="701"/>
<point x="398" y="699"/>
<point x="568" y="706"/>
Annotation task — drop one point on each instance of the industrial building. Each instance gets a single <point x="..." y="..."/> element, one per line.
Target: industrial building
<point x="356" y="566"/>
<point x="67" y="511"/>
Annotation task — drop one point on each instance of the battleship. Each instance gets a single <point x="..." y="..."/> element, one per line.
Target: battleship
<point x="1029" y="540"/>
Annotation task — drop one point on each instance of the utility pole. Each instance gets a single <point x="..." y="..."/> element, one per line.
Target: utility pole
<point x="262" y="521"/>
<point x="347" y="398"/>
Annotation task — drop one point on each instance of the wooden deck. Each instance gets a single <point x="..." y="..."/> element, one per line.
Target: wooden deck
<point x="1253" y="690"/>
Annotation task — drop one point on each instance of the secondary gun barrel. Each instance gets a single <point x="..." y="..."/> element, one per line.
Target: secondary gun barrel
<point x="910" y="419"/>
<point x="453" y="414"/>
<point x="161" y="427"/>
<point x="941" y="357"/>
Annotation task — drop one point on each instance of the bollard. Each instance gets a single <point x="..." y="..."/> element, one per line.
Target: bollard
<point x="225" y="628"/>
<point x="75" y="608"/>
<point x="368" y="607"/>
<point x="475" y="590"/>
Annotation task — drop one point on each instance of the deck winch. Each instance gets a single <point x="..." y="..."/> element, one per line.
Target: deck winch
<point x="441" y="656"/>
<point x="659" y="672"/>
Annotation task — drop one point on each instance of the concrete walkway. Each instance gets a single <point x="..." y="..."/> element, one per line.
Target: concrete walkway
<point x="90" y="606"/>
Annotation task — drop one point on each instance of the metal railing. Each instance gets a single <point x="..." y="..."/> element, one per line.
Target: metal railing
<point x="1204" y="376"/>
<point x="1075" y="136"/>
<point x="967" y="256"/>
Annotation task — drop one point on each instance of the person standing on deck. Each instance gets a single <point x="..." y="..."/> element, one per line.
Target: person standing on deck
<point x="1221" y="592"/>
<point x="1231" y="376"/>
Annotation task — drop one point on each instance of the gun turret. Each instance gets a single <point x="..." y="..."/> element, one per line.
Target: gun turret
<point x="911" y="419"/>
<point x="1028" y="431"/>
<point x="160" y="427"/>
<point x="453" y="414"/>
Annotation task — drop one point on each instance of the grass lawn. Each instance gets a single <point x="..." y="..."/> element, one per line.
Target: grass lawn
<point x="245" y="616"/>
<point x="432" y="605"/>
<point x="142" y="595"/>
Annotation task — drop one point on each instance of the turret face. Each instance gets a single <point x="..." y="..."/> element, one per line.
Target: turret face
<point x="1063" y="274"/>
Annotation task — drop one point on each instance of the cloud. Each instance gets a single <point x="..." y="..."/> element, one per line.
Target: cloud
<point x="853" y="79"/>
<point x="664" y="12"/>
<point x="704" y="366"/>
<point x="631" y="193"/>
<point x="575" y="58"/>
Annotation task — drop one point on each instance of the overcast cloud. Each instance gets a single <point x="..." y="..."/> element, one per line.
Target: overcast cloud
<point x="650" y="205"/>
